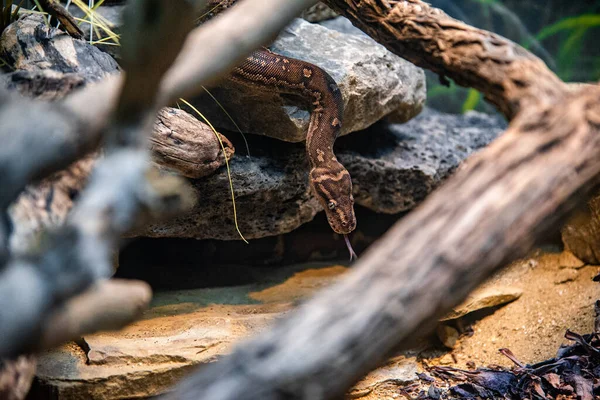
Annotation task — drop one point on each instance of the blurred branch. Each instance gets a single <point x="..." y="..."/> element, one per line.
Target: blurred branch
<point x="123" y="189"/>
<point x="108" y="305"/>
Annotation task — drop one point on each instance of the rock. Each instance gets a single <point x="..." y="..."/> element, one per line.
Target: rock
<point x="373" y="82"/>
<point x="565" y="275"/>
<point x="272" y="197"/>
<point x="28" y="44"/>
<point x="448" y="335"/>
<point x="393" y="168"/>
<point x="397" y="373"/>
<point x="43" y="84"/>
<point x="484" y="298"/>
<point x="581" y="234"/>
<point x="319" y="12"/>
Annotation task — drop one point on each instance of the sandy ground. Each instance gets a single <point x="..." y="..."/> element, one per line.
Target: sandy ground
<point x="558" y="294"/>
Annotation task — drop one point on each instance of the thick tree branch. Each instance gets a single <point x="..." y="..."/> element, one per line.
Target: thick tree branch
<point x="494" y="209"/>
<point x="509" y="76"/>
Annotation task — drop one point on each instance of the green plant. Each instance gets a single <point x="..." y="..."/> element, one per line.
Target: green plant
<point x="574" y="31"/>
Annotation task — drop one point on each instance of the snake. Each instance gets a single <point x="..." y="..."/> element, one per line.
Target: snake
<point x="329" y="180"/>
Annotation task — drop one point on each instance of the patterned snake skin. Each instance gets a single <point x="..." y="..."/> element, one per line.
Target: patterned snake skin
<point x="329" y="180"/>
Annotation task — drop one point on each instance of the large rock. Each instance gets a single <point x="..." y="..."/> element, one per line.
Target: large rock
<point x="272" y="196"/>
<point x="373" y="82"/>
<point x="30" y="46"/>
<point x="393" y="168"/>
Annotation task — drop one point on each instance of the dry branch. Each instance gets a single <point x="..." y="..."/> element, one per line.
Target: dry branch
<point x="123" y="192"/>
<point x="509" y="76"/>
<point x="494" y="209"/>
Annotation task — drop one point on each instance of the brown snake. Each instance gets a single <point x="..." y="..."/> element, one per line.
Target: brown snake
<point x="329" y="180"/>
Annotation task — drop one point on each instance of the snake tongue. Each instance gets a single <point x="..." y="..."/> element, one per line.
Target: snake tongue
<point x="353" y="255"/>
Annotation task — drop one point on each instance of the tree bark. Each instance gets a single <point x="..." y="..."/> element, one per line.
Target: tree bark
<point x="494" y="209"/>
<point x="509" y="76"/>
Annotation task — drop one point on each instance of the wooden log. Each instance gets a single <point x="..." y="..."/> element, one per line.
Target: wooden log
<point x="500" y="203"/>
<point x="179" y="143"/>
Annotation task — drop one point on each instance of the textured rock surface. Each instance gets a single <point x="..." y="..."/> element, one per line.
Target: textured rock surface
<point x="373" y="82"/>
<point x="393" y="168"/>
<point x="489" y="297"/>
<point x="272" y="196"/>
<point x="29" y="45"/>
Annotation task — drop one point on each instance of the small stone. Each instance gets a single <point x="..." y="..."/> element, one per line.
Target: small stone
<point x="447" y="335"/>
<point x="484" y="298"/>
<point x="565" y="275"/>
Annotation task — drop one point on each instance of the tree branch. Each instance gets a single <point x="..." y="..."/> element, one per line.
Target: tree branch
<point x="509" y="76"/>
<point x="123" y="189"/>
<point x="491" y="211"/>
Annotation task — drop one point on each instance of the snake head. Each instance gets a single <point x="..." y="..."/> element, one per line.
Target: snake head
<point x="333" y="189"/>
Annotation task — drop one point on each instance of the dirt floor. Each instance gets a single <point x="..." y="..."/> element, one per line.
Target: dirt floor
<point x="558" y="294"/>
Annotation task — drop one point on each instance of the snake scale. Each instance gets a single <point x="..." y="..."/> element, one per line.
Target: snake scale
<point x="329" y="180"/>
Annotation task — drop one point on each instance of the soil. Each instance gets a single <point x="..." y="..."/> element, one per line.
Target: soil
<point x="558" y="294"/>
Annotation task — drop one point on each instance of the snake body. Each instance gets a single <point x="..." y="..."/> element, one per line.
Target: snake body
<point x="329" y="180"/>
